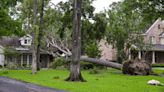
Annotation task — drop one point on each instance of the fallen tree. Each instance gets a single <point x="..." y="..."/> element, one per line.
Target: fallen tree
<point x="102" y="62"/>
<point x="132" y="67"/>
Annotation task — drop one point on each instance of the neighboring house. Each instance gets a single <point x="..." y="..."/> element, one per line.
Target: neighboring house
<point x="107" y="51"/>
<point x="23" y="47"/>
<point x="154" y="36"/>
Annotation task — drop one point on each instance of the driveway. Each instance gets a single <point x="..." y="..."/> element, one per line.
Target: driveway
<point x="11" y="85"/>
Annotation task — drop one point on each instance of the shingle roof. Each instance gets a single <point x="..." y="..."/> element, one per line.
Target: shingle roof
<point x="10" y="41"/>
<point x="157" y="47"/>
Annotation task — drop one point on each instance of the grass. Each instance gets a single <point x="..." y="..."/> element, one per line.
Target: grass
<point x="107" y="81"/>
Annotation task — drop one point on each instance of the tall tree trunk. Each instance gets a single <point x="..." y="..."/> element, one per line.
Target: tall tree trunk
<point x="40" y="35"/>
<point x="34" y="46"/>
<point x="75" y="73"/>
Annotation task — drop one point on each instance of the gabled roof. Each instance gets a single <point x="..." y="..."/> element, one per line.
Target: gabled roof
<point x="157" y="47"/>
<point x="26" y="36"/>
<point x="9" y="41"/>
<point x="161" y="34"/>
<point x="155" y="23"/>
<point x="161" y="26"/>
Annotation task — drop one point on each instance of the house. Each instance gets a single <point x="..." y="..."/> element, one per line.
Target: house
<point x="107" y="51"/>
<point x="154" y="37"/>
<point x="23" y="55"/>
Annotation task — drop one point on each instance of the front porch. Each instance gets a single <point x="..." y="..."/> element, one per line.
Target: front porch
<point x="150" y="56"/>
<point x="25" y="60"/>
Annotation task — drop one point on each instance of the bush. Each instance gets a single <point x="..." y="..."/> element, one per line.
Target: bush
<point x="12" y="65"/>
<point x="1" y="66"/>
<point x="94" y="71"/>
<point x="157" y="65"/>
<point x="92" y="50"/>
<point x="86" y="65"/>
<point x="59" y="63"/>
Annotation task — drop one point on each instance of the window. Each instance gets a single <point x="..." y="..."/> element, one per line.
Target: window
<point x="25" y="41"/>
<point x="152" y="40"/>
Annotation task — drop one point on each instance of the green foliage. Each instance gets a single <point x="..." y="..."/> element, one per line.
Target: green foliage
<point x="86" y="65"/>
<point x="11" y="52"/>
<point x="92" y="50"/>
<point x="1" y="66"/>
<point x="59" y="63"/>
<point x="94" y="71"/>
<point x="128" y="20"/>
<point x="59" y="23"/>
<point x="8" y="26"/>
<point x="157" y="65"/>
<point x="12" y="65"/>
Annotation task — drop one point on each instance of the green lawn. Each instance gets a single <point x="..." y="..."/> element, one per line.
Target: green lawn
<point x="107" y="81"/>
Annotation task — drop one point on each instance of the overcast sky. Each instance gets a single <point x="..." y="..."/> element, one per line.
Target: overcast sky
<point x="100" y="5"/>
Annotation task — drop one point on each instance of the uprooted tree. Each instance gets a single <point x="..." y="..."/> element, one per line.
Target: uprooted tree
<point x="63" y="46"/>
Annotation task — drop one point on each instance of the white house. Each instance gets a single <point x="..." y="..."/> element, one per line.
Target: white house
<point x="26" y="40"/>
<point x="23" y="47"/>
<point x="2" y="57"/>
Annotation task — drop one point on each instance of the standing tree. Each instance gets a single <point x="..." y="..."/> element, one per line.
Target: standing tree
<point x="75" y="73"/>
<point x="40" y="34"/>
<point x="34" y="42"/>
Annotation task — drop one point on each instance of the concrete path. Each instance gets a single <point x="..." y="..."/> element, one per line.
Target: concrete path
<point x="11" y="85"/>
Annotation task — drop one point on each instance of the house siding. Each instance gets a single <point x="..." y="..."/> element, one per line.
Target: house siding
<point x="2" y="57"/>
<point x="156" y="30"/>
<point x="107" y="51"/>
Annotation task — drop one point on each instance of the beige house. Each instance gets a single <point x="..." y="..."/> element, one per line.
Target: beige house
<point x="107" y="51"/>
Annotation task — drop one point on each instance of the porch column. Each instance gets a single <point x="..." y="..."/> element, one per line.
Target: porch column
<point x="153" y="57"/>
<point x="22" y="60"/>
<point x="139" y="54"/>
<point x="28" y="62"/>
<point x="129" y="56"/>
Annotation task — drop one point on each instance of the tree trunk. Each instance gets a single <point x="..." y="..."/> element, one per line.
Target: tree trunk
<point x="75" y="73"/>
<point x="103" y="62"/>
<point x="40" y="35"/>
<point x="34" y="47"/>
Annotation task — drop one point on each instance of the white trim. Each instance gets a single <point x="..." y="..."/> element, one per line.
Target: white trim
<point x="28" y="62"/>
<point x="153" y="57"/>
<point x="22" y="60"/>
<point x="159" y="19"/>
<point x="139" y="54"/>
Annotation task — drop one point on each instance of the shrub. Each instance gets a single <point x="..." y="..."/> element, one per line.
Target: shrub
<point x="92" y="50"/>
<point x="86" y="65"/>
<point x="59" y="63"/>
<point x="1" y="66"/>
<point x="157" y="65"/>
<point x="12" y="65"/>
<point x="94" y="71"/>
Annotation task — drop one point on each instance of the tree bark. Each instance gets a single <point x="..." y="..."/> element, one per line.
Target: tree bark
<point x="102" y="62"/>
<point x="34" y="47"/>
<point x="40" y="35"/>
<point x="75" y="73"/>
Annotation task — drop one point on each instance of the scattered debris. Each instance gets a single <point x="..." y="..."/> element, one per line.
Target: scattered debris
<point x="155" y="82"/>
